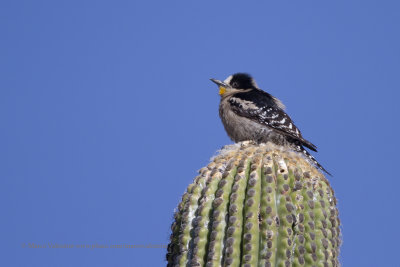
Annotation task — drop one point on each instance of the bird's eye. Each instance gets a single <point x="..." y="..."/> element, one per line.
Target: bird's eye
<point x="235" y="85"/>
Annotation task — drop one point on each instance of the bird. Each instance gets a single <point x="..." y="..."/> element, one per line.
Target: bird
<point x="250" y="114"/>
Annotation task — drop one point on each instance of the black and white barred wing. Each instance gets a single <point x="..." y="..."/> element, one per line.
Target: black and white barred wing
<point x="273" y="117"/>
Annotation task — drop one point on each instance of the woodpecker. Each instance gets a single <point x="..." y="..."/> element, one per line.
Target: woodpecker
<point x="251" y="114"/>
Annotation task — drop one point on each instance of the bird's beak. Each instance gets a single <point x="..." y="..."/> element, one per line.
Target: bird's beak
<point x="222" y="86"/>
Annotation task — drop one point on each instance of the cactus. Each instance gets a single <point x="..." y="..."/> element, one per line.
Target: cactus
<point x="256" y="205"/>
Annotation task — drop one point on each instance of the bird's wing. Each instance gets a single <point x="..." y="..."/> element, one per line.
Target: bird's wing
<point x="265" y="112"/>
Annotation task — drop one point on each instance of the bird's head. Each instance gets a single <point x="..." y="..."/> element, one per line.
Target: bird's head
<point x="235" y="83"/>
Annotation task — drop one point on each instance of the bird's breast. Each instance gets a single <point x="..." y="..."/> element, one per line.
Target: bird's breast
<point x="240" y="128"/>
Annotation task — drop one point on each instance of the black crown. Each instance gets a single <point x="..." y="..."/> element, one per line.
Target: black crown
<point x="242" y="81"/>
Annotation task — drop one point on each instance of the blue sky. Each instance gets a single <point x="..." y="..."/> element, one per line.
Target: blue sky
<point x="107" y="112"/>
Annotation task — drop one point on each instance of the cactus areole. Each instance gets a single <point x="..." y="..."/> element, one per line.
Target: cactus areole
<point x="256" y="205"/>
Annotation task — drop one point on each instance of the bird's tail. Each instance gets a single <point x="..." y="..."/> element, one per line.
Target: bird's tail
<point x="310" y="158"/>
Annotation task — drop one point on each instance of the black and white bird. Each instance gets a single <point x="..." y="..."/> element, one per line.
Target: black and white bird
<point x="251" y="114"/>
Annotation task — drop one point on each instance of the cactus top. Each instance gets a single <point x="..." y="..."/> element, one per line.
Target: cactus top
<point x="256" y="205"/>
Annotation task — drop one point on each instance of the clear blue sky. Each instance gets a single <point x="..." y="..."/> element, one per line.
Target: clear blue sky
<point x="107" y="111"/>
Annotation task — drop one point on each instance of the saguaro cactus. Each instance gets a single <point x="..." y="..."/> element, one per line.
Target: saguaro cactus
<point x="256" y="205"/>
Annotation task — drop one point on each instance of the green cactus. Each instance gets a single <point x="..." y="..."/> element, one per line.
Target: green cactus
<point x="256" y="205"/>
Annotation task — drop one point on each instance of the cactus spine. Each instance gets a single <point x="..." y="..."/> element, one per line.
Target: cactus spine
<point x="256" y="205"/>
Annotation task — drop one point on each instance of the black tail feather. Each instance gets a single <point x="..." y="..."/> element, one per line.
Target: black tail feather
<point x="310" y="157"/>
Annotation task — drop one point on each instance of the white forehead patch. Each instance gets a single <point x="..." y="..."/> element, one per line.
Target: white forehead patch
<point x="228" y="80"/>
